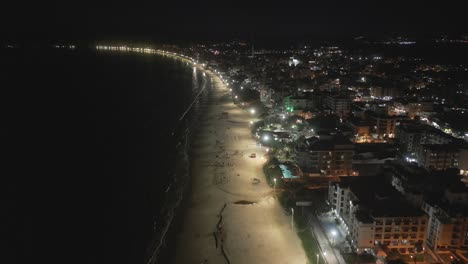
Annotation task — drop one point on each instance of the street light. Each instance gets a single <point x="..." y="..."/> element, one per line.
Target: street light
<point x="292" y="218"/>
<point x="333" y="233"/>
<point x="252" y="111"/>
<point x="274" y="186"/>
<point x="266" y="138"/>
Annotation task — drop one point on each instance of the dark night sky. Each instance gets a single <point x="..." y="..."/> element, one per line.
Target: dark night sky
<point x="217" y="19"/>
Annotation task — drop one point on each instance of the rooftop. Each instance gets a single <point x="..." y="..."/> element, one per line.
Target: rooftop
<point x="377" y="198"/>
<point x="337" y="141"/>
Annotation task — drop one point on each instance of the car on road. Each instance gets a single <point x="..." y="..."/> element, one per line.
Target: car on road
<point x="253" y="155"/>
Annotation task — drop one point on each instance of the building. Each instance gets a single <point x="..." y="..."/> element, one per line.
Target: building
<point x="331" y="157"/>
<point x="406" y="177"/>
<point x="302" y="102"/>
<point x="376" y="215"/>
<point x="414" y="108"/>
<point x="438" y="156"/>
<point x="463" y="163"/>
<point x="441" y="195"/>
<point x="385" y="92"/>
<point x="411" y="136"/>
<point x="448" y="219"/>
<point x="447" y="231"/>
<point x="383" y="125"/>
<point x="361" y="129"/>
<point x="338" y="104"/>
<point x="369" y="163"/>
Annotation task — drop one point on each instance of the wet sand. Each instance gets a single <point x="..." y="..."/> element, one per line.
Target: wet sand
<point x="226" y="211"/>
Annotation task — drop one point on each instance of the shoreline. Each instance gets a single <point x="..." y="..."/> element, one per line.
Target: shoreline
<point x="220" y="177"/>
<point x="165" y="251"/>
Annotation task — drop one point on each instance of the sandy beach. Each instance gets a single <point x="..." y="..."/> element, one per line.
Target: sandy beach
<point x="226" y="210"/>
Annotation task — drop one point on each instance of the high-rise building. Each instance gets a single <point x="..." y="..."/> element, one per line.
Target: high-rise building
<point x="438" y="156"/>
<point x="448" y="219"/>
<point x="383" y="125"/>
<point x="338" y="104"/>
<point x="376" y="216"/>
<point x="412" y="136"/>
<point x="330" y="157"/>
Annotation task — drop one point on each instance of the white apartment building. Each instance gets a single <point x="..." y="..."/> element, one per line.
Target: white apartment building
<point x="376" y="216"/>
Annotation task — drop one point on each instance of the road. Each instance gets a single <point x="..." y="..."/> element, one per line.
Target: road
<point x="328" y="253"/>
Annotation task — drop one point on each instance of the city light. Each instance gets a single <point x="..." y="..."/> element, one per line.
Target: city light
<point x="274" y="186"/>
<point x="333" y="233"/>
<point x="292" y="218"/>
<point x="363" y="97"/>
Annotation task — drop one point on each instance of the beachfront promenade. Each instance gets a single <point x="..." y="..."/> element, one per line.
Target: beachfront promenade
<point x="229" y="216"/>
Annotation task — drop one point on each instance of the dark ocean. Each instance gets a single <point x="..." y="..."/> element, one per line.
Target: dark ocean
<point x="96" y="157"/>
